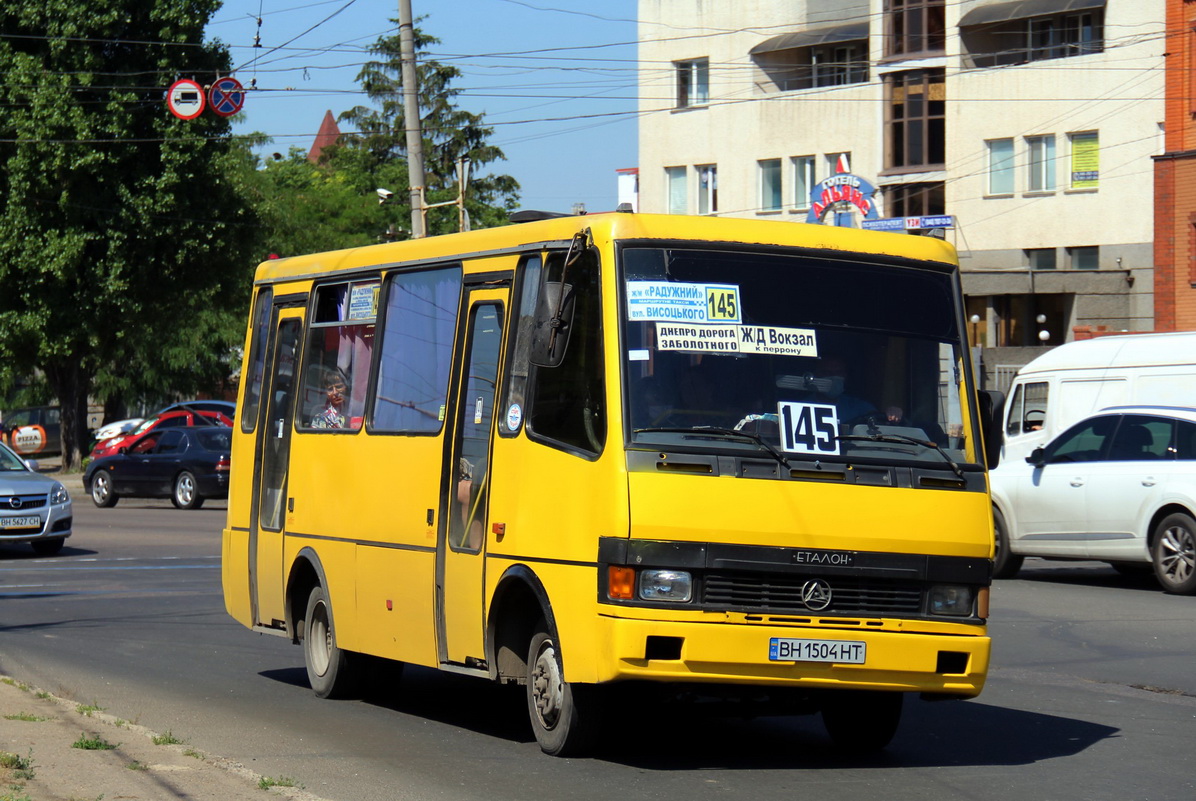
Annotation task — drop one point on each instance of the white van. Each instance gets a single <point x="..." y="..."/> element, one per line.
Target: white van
<point x="1070" y="382"/>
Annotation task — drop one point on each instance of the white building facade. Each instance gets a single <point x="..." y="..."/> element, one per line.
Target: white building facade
<point x="1021" y="130"/>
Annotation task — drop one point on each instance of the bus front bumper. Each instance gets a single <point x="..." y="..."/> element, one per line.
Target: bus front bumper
<point x="780" y="656"/>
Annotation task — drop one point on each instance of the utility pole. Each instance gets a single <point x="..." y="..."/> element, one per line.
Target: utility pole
<point x="411" y="122"/>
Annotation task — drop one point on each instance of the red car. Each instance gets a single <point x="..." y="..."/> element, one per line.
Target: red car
<point x="174" y="419"/>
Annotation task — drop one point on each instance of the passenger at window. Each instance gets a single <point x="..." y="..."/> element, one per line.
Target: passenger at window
<point x="333" y="413"/>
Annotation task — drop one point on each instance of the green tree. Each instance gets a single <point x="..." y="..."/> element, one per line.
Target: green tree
<point x="308" y="208"/>
<point x="449" y="133"/>
<point x="124" y="245"/>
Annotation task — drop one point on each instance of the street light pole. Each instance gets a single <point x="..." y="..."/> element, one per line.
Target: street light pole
<point x="411" y="122"/>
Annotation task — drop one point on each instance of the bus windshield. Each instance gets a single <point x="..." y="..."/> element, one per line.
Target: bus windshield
<point x="794" y="356"/>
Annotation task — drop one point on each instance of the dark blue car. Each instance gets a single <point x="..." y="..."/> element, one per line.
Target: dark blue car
<point x="187" y="465"/>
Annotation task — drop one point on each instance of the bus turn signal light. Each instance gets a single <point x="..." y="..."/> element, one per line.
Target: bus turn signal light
<point x="621" y="583"/>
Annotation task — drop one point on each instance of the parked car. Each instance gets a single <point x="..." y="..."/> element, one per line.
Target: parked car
<point x="115" y="428"/>
<point x="1118" y="487"/>
<point x="33" y="508"/>
<point x="33" y="431"/>
<point x="187" y="465"/>
<point x="227" y="408"/>
<point x="173" y="419"/>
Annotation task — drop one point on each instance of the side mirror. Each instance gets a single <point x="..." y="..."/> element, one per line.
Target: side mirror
<point x="33" y="465"/>
<point x="553" y="324"/>
<point x="992" y="408"/>
<point x="1037" y="457"/>
<point x="123" y="449"/>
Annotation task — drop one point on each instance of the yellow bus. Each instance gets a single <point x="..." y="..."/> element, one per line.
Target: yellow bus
<point x="585" y="453"/>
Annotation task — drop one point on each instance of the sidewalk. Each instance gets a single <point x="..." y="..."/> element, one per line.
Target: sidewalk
<point x="40" y="761"/>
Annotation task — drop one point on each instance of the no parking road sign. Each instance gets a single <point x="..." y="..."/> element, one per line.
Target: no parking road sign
<point x="227" y="96"/>
<point x="185" y="99"/>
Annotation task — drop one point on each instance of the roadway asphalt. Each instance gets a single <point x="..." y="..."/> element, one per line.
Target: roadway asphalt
<point x="42" y="738"/>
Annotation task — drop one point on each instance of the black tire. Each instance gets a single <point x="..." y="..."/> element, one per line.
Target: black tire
<point x="185" y="494"/>
<point x="862" y="721"/>
<point x="48" y="547"/>
<point x="102" y="493"/>
<point x="329" y="669"/>
<point x="1174" y="553"/>
<point x="1005" y="562"/>
<point x="564" y="716"/>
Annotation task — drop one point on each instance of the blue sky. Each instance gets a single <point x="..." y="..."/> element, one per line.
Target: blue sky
<point x="555" y="78"/>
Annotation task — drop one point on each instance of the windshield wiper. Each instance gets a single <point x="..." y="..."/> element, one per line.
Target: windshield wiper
<point x="722" y="432"/>
<point x="904" y="440"/>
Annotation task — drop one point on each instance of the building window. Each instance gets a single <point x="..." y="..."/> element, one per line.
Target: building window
<point x="915" y="200"/>
<point x="1085" y="258"/>
<point x="1040" y="258"/>
<point x="693" y="82"/>
<point x="915" y="27"/>
<point x="794" y="68"/>
<point x="839" y="65"/>
<point x="916" y="124"/>
<point x="707" y="189"/>
<point x="1066" y="35"/>
<point x="1085" y="160"/>
<point x="1042" y="163"/>
<point x="770" y="185"/>
<point x="1000" y="166"/>
<point x="837" y="163"/>
<point x="803" y="180"/>
<point x="989" y="42"/>
<point x="674" y="178"/>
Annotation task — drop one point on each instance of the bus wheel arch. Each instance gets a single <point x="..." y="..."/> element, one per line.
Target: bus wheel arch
<point x="519" y="601"/>
<point x="306" y="573"/>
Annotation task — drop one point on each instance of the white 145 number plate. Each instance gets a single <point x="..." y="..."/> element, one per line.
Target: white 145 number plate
<point x="841" y="651"/>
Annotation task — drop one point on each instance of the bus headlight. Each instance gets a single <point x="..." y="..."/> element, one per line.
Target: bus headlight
<point x="666" y="585"/>
<point x="951" y="599"/>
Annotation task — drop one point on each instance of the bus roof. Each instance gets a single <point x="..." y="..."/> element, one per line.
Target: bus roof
<point x="610" y="226"/>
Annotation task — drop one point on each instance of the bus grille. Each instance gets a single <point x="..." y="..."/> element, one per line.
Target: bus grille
<point x="773" y="594"/>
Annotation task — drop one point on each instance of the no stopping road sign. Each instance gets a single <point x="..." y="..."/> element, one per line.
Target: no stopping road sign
<point x="226" y="96"/>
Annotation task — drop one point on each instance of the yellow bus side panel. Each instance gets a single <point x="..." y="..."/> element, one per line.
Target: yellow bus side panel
<point x="395" y="612"/>
<point x="234" y="575"/>
<point x="807" y="514"/>
<point x="355" y="488"/>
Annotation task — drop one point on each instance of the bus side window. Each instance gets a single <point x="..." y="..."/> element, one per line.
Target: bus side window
<point x="417" y="348"/>
<point x="257" y="360"/>
<point x="337" y="365"/>
<point x="524" y="312"/>
<point x="566" y="402"/>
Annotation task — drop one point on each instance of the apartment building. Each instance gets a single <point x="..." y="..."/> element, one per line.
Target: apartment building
<point x="1023" y="131"/>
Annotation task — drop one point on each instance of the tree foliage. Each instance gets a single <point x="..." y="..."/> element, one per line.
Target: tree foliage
<point x="449" y="133"/>
<point x="124" y="243"/>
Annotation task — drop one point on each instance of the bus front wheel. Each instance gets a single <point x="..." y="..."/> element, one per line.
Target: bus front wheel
<point x="328" y="667"/>
<point x="861" y="721"/>
<point x="564" y="716"/>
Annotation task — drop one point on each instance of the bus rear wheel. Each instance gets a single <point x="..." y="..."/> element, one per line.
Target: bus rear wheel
<point x="861" y="721"/>
<point x="329" y="669"/>
<point x="564" y="716"/>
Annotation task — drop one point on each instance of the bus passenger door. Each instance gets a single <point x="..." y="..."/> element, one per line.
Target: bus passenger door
<point x="461" y="550"/>
<point x="271" y="457"/>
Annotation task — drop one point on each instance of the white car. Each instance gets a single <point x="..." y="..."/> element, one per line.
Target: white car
<point x="1118" y="487"/>
<point x="117" y="428"/>
<point x="33" y="508"/>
